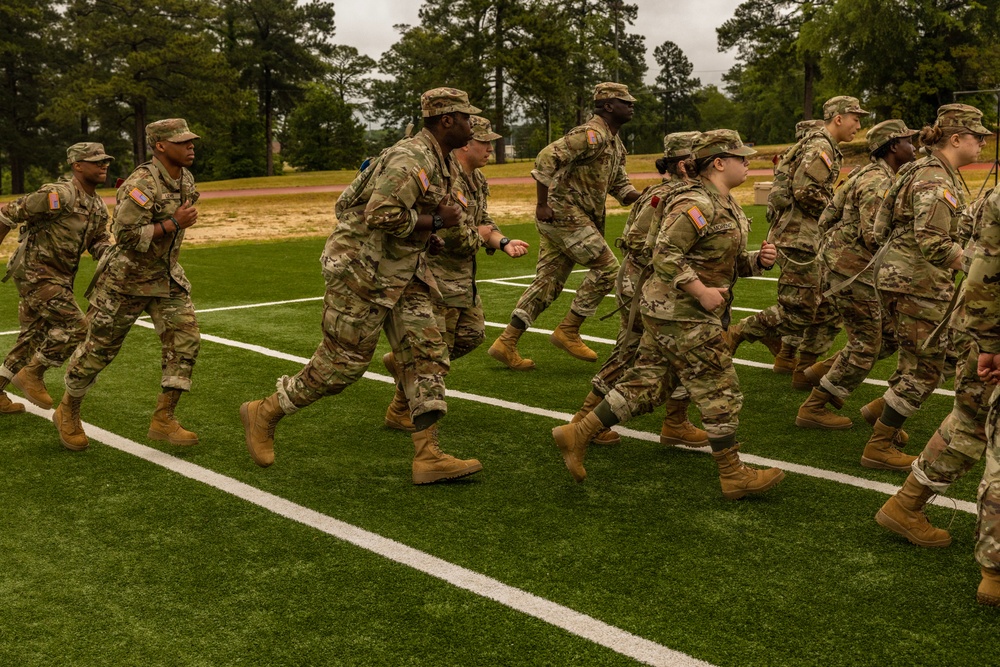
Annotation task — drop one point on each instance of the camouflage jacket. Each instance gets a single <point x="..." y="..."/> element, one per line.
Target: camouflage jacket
<point x="60" y="221"/>
<point x="850" y="218"/>
<point x="138" y="264"/>
<point x="581" y="169"/>
<point x="703" y="236"/>
<point x="813" y="168"/>
<point x="981" y="316"/>
<point x="640" y="220"/>
<point x="373" y="248"/>
<point x="924" y="239"/>
<point x="454" y="269"/>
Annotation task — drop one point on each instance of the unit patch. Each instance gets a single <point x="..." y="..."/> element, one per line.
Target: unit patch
<point x="655" y="201"/>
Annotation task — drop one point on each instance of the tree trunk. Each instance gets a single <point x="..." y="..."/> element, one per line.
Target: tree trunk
<point x="139" y="139"/>
<point x="807" y="96"/>
<point x="16" y="175"/>
<point x="268" y="121"/>
<point x="498" y="35"/>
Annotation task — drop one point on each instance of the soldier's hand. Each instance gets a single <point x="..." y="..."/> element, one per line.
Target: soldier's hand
<point x="186" y="215"/>
<point x="768" y="254"/>
<point x="988" y="368"/>
<point x="516" y="248"/>
<point x="544" y="213"/>
<point x="435" y="244"/>
<point x="451" y="214"/>
<point x="712" y="297"/>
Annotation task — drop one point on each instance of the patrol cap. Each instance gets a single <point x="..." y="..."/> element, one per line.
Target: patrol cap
<point x="961" y="117"/>
<point x="885" y="132"/>
<point x="678" y="144"/>
<point x="482" y="130"/>
<point x="439" y="101"/>
<point x="86" y="151"/>
<point x="804" y="127"/>
<point x="174" y="130"/>
<point x="612" y="91"/>
<point x="721" y="143"/>
<point x="842" y="104"/>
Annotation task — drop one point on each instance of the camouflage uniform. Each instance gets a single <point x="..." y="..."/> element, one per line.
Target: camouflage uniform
<point x="140" y="274"/>
<point x="60" y="221"/>
<point x="581" y="169"/>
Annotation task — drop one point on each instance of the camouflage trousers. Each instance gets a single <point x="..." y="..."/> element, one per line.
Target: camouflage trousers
<point x="111" y="316"/>
<point x="918" y="370"/>
<point x="692" y="354"/>
<point x="52" y="325"/>
<point x="560" y="248"/>
<point x="870" y="336"/>
<point x="988" y="498"/>
<point x="963" y="430"/>
<point x="627" y="342"/>
<point x="351" y="328"/>
<point x="464" y="329"/>
<point x="801" y="309"/>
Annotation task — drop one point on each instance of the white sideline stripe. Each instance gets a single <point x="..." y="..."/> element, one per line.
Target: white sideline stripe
<point x="9" y="333"/>
<point x="572" y="621"/>
<point x="820" y="473"/>
<point x="531" y="276"/>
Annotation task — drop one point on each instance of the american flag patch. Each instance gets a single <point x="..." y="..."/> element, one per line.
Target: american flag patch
<point x="697" y="217"/>
<point x="826" y="158"/>
<point x="424" y="181"/>
<point x="654" y="202"/>
<point x="591" y="137"/>
<point x="138" y="197"/>
<point x="950" y="198"/>
<point x="53" y="201"/>
<point x="461" y="199"/>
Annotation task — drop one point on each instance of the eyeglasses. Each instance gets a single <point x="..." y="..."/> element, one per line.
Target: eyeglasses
<point x="742" y="158"/>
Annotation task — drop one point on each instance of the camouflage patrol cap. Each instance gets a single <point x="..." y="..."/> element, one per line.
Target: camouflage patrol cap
<point x="174" y="130"/>
<point x="482" y="130"/>
<point x="840" y="105"/>
<point x="804" y="127"/>
<point x="720" y="143"/>
<point x="678" y="144"/>
<point x="86" y="151"/>
<point x="439" y="101"/>
<point x="885" y="132"/>
<point x="961" y="117"/>
<point x="612" y="91"/>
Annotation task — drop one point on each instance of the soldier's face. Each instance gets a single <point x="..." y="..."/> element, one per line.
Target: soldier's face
<point x="180" y="153"/>
<point x="459" y="130"/>
<point x="850" y="123"/>
<point x="905" y="150"/>
<point x="735" y="170"/>
<point x="95" y="173"/>
<point x="622" y="111"/>
<point x="479" y="152"/>
<point x="969" y="146"/>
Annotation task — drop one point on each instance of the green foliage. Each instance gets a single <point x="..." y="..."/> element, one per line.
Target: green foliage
<point x="321" y="133"/>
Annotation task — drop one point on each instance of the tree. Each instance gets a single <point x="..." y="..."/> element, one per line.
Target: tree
<point x="715" y="110"/>
<point x="321" y="133"/>
<point x="350" y="72"/>
<point x="675" y="87"/>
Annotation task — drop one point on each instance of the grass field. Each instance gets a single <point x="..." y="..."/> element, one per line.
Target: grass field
<point x="135" y="553"/>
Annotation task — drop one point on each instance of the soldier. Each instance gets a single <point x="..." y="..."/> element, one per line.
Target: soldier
<point x="919" y="223"/>
<point x="700" y="249"/>
<point x="574" y="175"/>
<point x="377" y="278"/>
<point x="643" y="223"/>
<point x="849" y="279"/>
<point x="59" y="221"/>
<point x="140" y="274"/>
<point x="460" y="312"/>
<point x="802" y="188"/>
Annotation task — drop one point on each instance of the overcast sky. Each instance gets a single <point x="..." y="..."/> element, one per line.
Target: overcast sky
<point x="367" y="26"/>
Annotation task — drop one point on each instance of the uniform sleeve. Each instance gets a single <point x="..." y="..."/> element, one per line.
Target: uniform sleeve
<point x="564" y="151"/>
<point x="486" y="220"/>
<point x="620" y="186"/>
<point x="397" y="188"/>
<point x="870" y="193"/>
<point x="133" y="217"/>
<point x="679" y="231"/>
<point x="809" y="181"/>
<point x="933" y="211"/>
<point x="982" y="288"/>
<point x="49" y="199"/>
<point x="100" y="240"/>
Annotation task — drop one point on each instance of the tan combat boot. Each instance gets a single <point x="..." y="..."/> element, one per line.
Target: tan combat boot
<point x="799" y="380"/>
<point x="872" y="411"/>
<point x="813" y="413"/>
<point x="738" y="480"/>
<point x="677" y="429"/>
<point x="9" y="407"/>
<point x="733" y="336"/>
<point x="815" y="373"/>
<point x="989" y="588"/>
<point x="881" y="451"/>
<point x="606" y="436"/>
<point x="67" y="421"/>
<point x="164" y="426"/>
<point x="259" y="420"/>
<point x="504" y="350"/>
<point x="397" y="415"/>
<point x="431" y="465"/>
<point x="904" y="514"/>
<point x="784" y="362"/>
<point x="572" y="439"/>
<point x="567" y="337"/>
<point x="31" y="381"/>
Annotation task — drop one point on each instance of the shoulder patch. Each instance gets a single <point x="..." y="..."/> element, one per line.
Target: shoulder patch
<point x="138" y="196"/>
<point x="53" y="201"/>
<point x="655" y="201"/>
<point x="826" y="158"/>
<point x="948" y="197"/>
<point x="424" y="181"/>
<point x="697" y="218"/>
<point x="591" y="137"/>
<point x="460" y="196"/>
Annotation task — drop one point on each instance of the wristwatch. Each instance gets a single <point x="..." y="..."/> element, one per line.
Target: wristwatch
<point x="503" y="242"/>
<point x="437" y="222"/>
